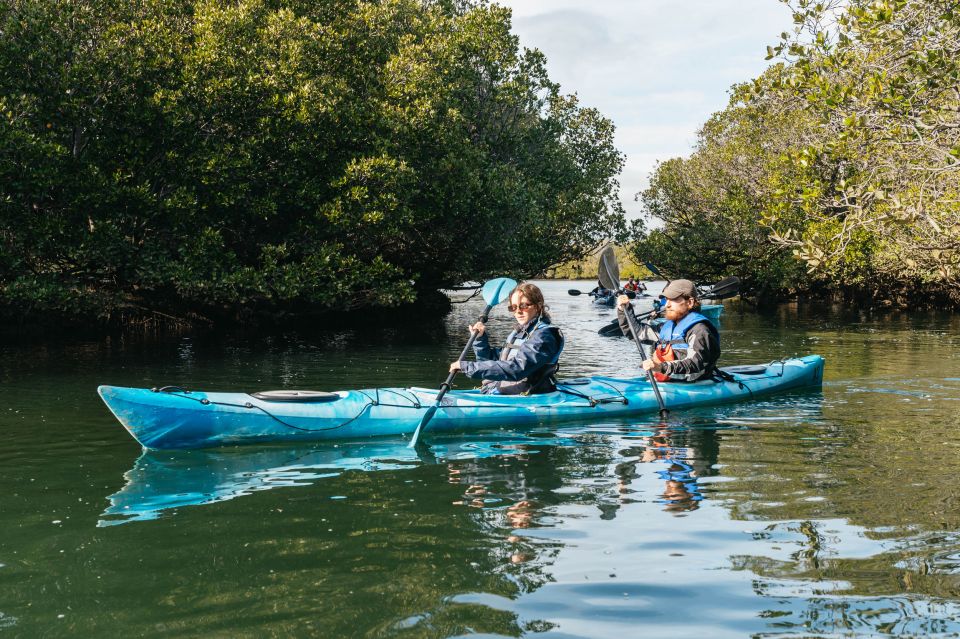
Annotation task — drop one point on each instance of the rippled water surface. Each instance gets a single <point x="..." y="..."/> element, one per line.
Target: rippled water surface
<point x="819" y="513"/>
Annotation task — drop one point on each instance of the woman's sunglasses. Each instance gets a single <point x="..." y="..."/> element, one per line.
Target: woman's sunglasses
<point x="522" y="306"/>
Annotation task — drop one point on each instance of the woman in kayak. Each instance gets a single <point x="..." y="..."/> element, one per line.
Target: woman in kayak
<point x="527" y="362"/>
<point x="688" y="345"/>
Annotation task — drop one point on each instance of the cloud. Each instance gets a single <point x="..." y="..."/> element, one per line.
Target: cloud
<point x="657" y="68"/>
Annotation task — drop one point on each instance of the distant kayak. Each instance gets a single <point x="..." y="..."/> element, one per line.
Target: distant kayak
<point x="605" y="300"/>
<point x="611" y="299"/>
<point x="173" y="418"/>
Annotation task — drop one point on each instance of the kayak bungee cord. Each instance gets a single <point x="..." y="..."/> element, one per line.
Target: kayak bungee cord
<point x="206" y="402"/>
<point x="593" y="401"/>
<point x="415" y="404"/>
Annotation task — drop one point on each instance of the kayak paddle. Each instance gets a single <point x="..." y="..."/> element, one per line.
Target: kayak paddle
<point x="653" y="269"/>
<point x="574" y="291"/>
<point x="494" y="292"/>
<point x="609" y="274"/>
<point x="612" y="329"/>
<point x="635" y="331"/>
<point x="727" y="287"/>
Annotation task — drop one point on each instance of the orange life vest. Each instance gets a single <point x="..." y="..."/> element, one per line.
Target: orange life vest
<point x="666" y="354"/>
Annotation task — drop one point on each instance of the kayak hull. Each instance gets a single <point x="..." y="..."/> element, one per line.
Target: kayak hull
<point x="178" y="419"/>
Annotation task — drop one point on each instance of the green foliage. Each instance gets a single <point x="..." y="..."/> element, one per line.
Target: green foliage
<point x="708" y="205"/>
<point x="844" y="156"/>
<point x="589" y="267"/>
<point x="880" y="78"/>
<point x="283" y="155"/>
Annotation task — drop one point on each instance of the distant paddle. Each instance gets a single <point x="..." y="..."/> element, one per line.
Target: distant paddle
<point x="653" y="269"/>
<point x="574" y="291"/>
<point x="609" y="270"/>
<point x="494" y="292"/>
<point x="613" y="329"/>
<point x="727" y="287"/>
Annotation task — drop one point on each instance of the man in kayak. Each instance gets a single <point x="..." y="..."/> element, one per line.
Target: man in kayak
<point x="688" y="346"/>
<point x="600" y="291"/>
<point x="527" y="362"/>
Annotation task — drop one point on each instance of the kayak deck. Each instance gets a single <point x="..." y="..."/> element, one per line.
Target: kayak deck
<point x="174" y="418"/>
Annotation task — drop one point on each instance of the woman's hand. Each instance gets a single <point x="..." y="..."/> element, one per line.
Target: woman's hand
<point x="478" y="328"/>
<point x="455" y="367"/>
<point x="623" y="300"/>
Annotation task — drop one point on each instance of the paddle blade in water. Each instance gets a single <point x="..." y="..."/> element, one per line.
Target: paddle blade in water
<point x="574" y="291"/>
<point x="611" y="330"/>
<point x="496" y="291"/>
<point x="427" y="416"/>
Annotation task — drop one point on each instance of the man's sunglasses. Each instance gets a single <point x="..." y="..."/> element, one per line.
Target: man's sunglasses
<point x="522" y="306"/>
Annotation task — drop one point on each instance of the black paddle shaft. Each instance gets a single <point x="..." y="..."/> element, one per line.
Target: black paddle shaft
<point x="635" y="331"/>
<point x="444" y="387"/>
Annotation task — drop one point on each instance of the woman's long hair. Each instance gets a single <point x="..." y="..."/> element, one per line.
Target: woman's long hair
<point x="535" y="296"/>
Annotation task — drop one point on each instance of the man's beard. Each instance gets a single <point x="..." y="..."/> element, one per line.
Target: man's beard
<point x="674" y="316"/>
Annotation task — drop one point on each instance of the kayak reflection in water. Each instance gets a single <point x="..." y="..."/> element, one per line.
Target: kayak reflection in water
<point x="688" y="346"/>
<point x="528" y="361"/>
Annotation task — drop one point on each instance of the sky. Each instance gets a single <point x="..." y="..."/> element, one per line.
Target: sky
<point x="657" y="68"/>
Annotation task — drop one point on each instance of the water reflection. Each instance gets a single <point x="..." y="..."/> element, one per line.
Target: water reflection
<point x="162" y="481"/>
<point x="830" y="513"/>
<point x="673" y="456"/>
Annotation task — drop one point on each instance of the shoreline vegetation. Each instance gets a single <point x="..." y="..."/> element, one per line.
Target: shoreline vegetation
<point x="188" y="163"/>
<point x="588" y="267"/>
<point x="836" y="172"/>
<point x="190" y="160"/>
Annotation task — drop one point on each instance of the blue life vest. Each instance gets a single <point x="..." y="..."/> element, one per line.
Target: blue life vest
<point x="676" y="334"/>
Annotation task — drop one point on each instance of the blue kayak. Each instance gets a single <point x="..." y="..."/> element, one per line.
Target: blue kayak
<point x="172" y="418"/>
<point x="711" y="311"/>
<point x="611" y="299"/>
<point x="605" y="300"/>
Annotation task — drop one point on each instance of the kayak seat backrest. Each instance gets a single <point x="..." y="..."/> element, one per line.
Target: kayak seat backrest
<point x="295" y="396"/>
<point x="754" y="369"/>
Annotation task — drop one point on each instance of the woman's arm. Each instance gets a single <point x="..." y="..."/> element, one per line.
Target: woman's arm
<point x="535" y="353"/>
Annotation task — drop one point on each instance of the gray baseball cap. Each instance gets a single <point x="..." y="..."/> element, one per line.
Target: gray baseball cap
<point x="679" y="288"/>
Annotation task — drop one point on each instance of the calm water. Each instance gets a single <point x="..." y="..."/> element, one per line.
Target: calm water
<point x="833" y="513"/>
